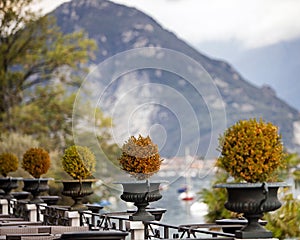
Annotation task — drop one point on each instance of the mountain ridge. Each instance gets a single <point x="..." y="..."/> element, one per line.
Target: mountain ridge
<point x="118" y="28"/>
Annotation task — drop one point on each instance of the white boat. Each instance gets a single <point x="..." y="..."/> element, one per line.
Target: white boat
<point x="186" y="192"/>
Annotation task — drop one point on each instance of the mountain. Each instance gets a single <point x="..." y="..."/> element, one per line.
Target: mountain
<point x="177" y="102"/>
<point x="277" y="65"/>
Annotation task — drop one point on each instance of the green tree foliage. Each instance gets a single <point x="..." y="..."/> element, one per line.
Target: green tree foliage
<point x="47" y="118"/>
<point x="35" y="53"/>
<point x="106" y="150"/>
<point x="16" y="143"/>
<point x="215" y="199"/>
<point x="284" y="223"/>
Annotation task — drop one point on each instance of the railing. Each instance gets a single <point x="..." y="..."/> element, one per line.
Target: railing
<point x="119" y="221"/>
<point x="157" y="230"/>
<point x="153" y="231"/>
<point x="106" y="221"/>
<point x="19" y="209"/>
<point x="55" y="215"/>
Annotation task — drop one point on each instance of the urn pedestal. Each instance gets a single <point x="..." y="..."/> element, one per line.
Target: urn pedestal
<point x="36" y="186"/>
<point x="7" y="184"/>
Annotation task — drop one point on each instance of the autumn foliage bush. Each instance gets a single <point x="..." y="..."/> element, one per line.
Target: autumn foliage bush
<point x="140" y="157"/>
<point x="9" y="162"/>
<point x="36" y="161"/>
<point x="251" y="150"/>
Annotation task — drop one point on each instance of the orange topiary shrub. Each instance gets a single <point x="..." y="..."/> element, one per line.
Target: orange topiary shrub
<point x="9" y="162"/>
<point x="251" y="150"/>
<point x="140" y="157"/>
<point x="36" y="161"/>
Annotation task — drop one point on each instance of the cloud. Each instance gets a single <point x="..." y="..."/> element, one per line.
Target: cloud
<point x="254" y="23"/>
<point x="47" y="6"/>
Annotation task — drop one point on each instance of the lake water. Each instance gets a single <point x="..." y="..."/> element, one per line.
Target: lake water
<point x="180" y="211"/>
<point x="185" y="212"/>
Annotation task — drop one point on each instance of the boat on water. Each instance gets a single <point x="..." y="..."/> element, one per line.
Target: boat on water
<point x="187" y="196"/>
<point x="182" y="189"/>
<point x="186" y="192"/>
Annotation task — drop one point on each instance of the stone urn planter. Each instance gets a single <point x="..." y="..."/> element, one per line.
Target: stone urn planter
<point x="36" y="161"/>
<point x="8" y="163"/>
<point x="7" y="184"/>
<point x="36" y="186"/>
<point x="252" y="153"/>
<point x="77" y="190"/>
<point x="79" y="162"/>
<point x="253" y="200"/>
<point x="141" y="193"/>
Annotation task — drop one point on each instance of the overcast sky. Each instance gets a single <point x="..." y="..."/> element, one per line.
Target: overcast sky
<point x="252" y="23"/>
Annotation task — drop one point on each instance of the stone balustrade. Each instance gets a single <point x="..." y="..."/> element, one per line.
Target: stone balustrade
<point x="23" y="220"/>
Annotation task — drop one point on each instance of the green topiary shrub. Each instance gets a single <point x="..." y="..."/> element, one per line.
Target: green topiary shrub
<point x="36" y="161"/>
<point x="251" y="150"/>
<point x="79" y="162"/>
<point x="8" y="163"/>
<point x="140" y="157"/>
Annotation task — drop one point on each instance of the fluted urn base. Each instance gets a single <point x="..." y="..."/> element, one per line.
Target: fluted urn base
<point x="141" y="194"/>
<point x="7" y="184"/>
<point x="77" y="190"/>
<point x="36" y="186"/>
<point x="253" y="200"/>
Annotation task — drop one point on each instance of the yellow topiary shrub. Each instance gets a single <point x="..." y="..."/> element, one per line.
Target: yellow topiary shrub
<point x="251" y="150"/>
<point x="140" y="157"/>
<point x="79" y="162"/>
<point x="8" y="163"/>
<point x="36" y="161"/>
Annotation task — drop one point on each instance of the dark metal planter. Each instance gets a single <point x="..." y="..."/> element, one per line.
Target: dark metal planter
<point x="7" y="184"/>
<point x="77" y="190"/>
<point x="36" y="186"/>
<point x="253" y="200"/>
<point x="141" y="193"/>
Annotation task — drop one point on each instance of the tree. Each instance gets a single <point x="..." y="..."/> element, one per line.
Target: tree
<point x="284" y="223"/>
<point x="47" y="118"/>
<point x="34" y="52"/>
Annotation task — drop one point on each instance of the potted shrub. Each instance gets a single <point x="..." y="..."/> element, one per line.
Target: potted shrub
<point x="79" y="162"/>
<point x="140" y="158"/>
<point x="36" y="161"/>
<point x="9" y="162"/>
<point x="252" y="152"/>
